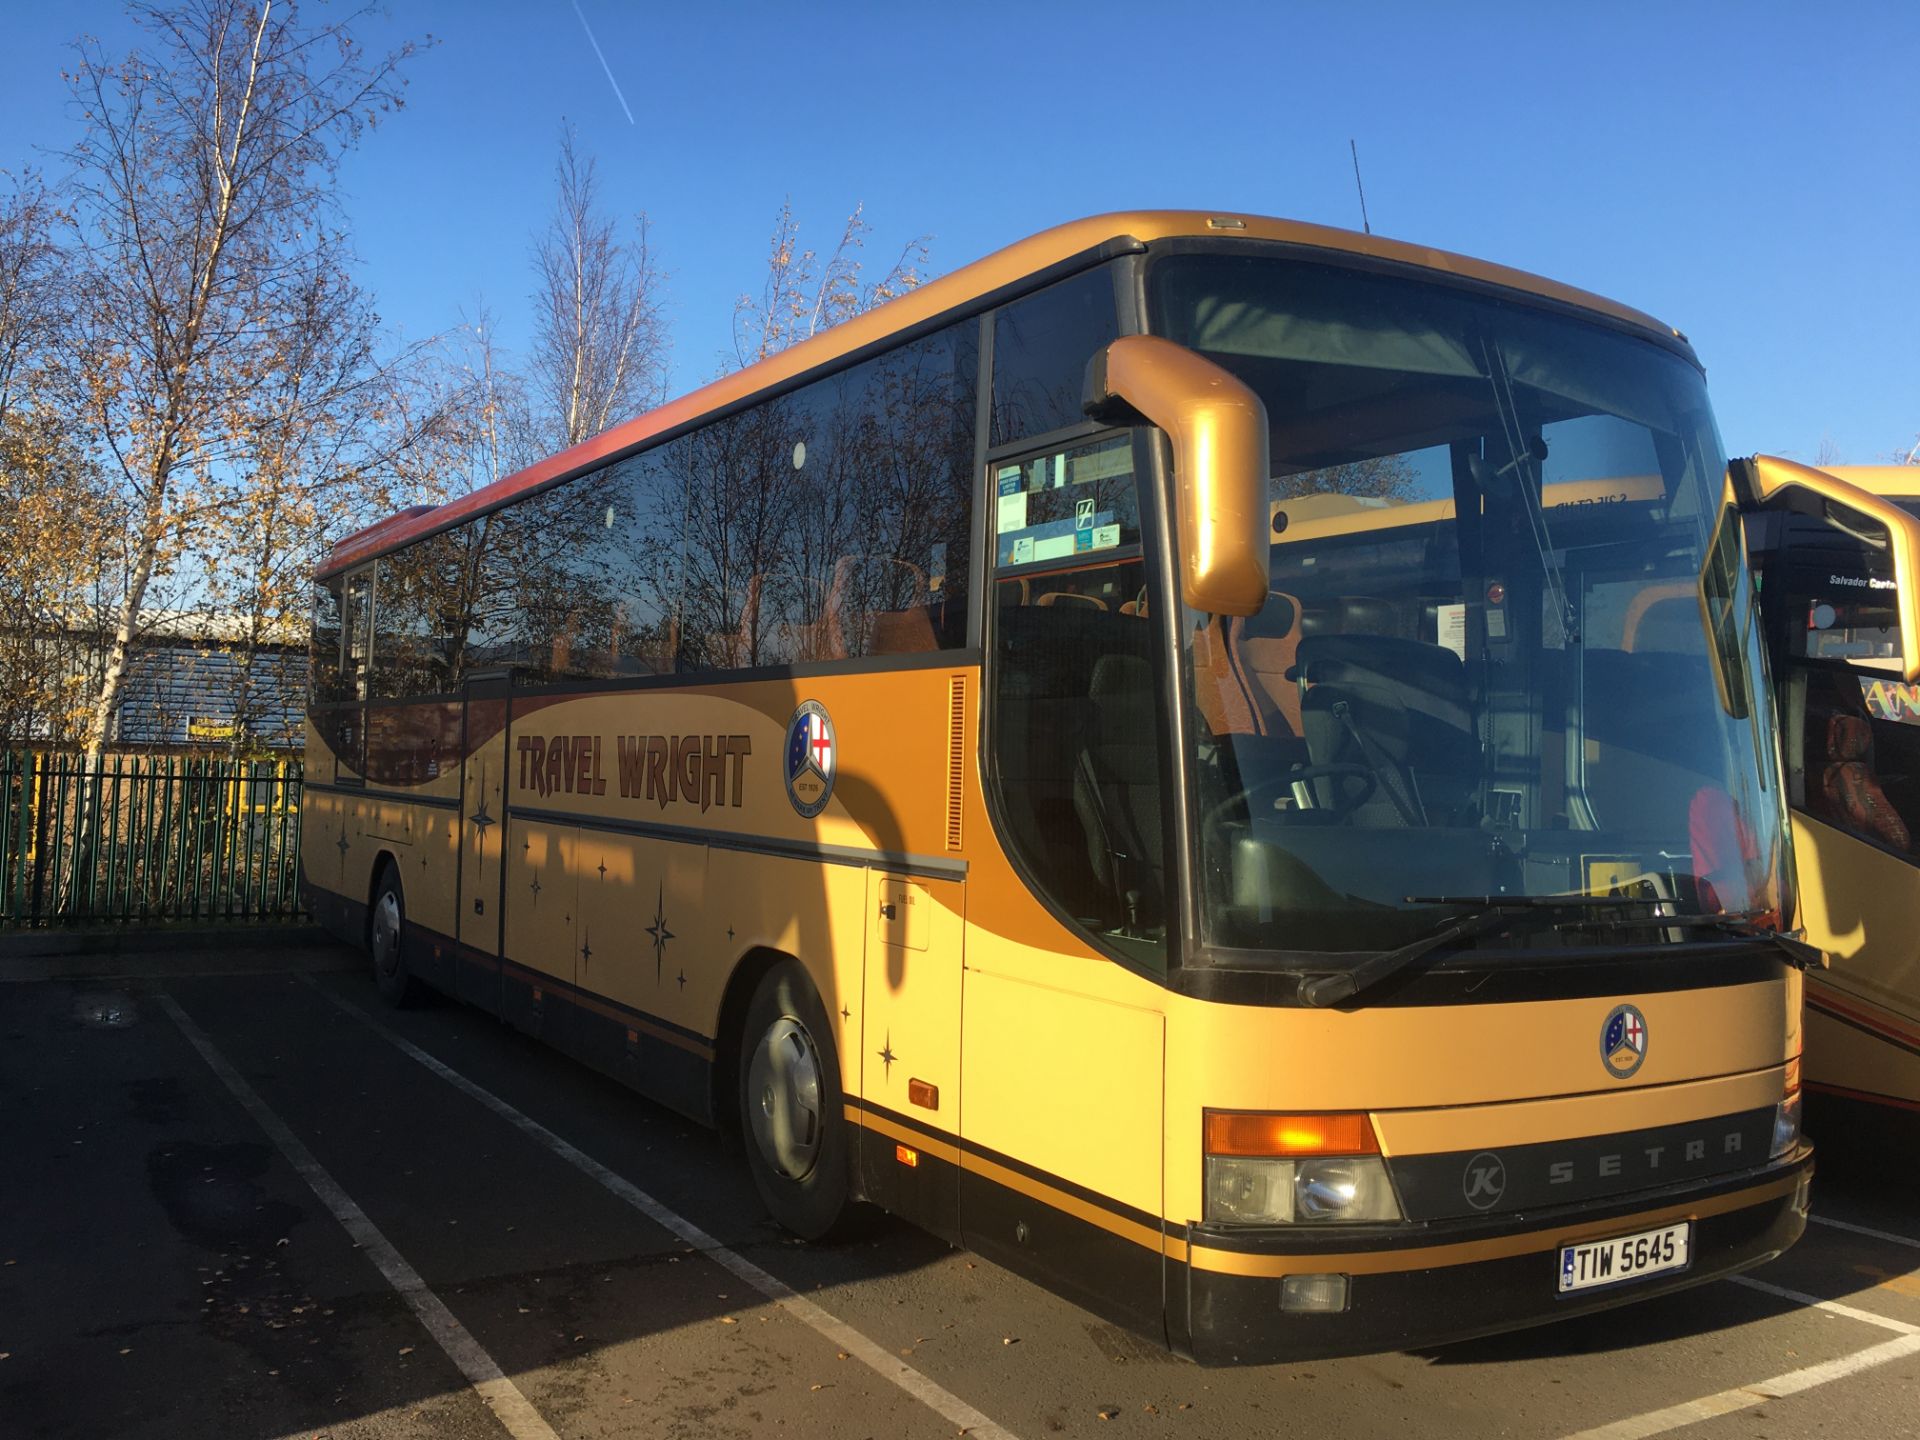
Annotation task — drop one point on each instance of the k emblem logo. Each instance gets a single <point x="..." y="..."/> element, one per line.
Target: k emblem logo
<point x="1484" y="1180"/>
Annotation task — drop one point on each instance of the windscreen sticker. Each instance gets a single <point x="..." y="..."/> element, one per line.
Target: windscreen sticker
<point x="1013" y="512"/>
<point x="1084" y="530"/>
<point x="1107" y="462"/>
<point x="1451" y="622"/>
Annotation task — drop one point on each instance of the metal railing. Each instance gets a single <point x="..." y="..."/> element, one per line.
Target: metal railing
<point x="133" y="838"/>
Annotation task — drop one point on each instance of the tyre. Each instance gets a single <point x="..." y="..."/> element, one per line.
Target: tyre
<point x="386" y="941"/>
<point x="791" y="1121"/>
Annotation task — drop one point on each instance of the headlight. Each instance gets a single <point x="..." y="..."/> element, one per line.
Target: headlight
<point x="1786" y="1126"/>
<point x="1786" y="1115"/>
<point x="1299" y="1188"/>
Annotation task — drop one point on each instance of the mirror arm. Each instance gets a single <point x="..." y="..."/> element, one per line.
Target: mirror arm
<point x="1218" y="427"/>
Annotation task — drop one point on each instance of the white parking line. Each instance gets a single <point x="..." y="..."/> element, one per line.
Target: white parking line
<point x="501" y="1395"/>
<point x="1745" y="1397"/>
<point x="927" y="1391"/>
<point x="1691" y="1412"/>
<point x="1851" y="1228"/>
<point x="1831" y="1307"/>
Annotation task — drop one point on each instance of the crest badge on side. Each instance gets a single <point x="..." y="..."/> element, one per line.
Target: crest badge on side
<point x="812" y="758"/>
<point x="1623" y="1041"/>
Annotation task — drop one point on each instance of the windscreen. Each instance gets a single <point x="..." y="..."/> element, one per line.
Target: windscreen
<point x="1510" y="647"/>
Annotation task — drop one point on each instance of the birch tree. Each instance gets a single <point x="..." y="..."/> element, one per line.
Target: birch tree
<point x="55" y="547"/>
<point x="600" y="343"/>
<point x="804" y="292"/>
<point x="204" y="211"/>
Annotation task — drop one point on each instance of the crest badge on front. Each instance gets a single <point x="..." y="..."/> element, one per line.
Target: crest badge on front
<point x="812" y="757"/>
<point x="1623" y="1041"/>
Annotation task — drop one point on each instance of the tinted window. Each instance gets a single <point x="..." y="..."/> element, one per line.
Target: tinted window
<point x="834" y="522"/>
<point x="323" y="663"/>
<point x="1076" y="729"/>
<point x="357" y="593"/>
<point x="415" y="603"/>
<point x="1041" y="346"/>
<point x="831" y="523"/>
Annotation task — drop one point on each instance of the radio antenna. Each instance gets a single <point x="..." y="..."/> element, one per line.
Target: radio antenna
<point x="1364" y="225"/>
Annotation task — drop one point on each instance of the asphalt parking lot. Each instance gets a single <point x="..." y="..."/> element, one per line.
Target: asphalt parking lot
<point x="239" y="1199"/>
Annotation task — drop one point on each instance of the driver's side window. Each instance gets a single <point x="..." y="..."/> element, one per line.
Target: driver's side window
<point x="1076" y="721"/>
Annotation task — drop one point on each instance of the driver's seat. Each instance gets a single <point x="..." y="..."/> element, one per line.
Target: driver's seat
<point x="1396" y="712"/>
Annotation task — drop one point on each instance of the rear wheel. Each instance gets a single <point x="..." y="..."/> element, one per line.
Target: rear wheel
<point x="790" y="1104"/>
<point x="386" y="941"/>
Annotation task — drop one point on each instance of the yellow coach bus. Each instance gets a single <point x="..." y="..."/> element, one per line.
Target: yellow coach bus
<point x="920" y="750"/>
<point x="1836" y="620"/>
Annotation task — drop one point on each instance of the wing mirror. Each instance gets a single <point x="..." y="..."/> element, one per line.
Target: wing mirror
<point x="1768" y="483"/>
<point x="1218" y="427"/>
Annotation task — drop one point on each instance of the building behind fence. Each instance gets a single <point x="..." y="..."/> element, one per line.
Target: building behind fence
<point x="206" y="681"/>
<point x="132" y="838"/>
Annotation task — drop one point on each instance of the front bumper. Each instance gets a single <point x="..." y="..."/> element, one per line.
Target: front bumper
<point x="1431" y="1284"/>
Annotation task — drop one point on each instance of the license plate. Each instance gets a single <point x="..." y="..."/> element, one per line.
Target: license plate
<point x="1625" y="1257"/>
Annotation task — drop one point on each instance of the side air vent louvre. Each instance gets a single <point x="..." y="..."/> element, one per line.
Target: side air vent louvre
<point x="956" y="743"/>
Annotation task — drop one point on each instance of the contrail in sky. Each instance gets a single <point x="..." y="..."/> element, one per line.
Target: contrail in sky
<point x="603" y="61"/>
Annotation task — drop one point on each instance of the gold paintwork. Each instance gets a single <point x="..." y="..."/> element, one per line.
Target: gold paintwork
<point x="1775" y="480"/>
<point x="1218" y="428"/>
<point x="1861" y="905"/>
<point x="1080" y="1068"/>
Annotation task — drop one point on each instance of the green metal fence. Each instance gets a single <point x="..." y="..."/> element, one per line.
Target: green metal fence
<point x="131" y="838"/>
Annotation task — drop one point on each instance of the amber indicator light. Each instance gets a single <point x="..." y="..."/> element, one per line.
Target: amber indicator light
<point x="1241" y="1134"/>
<point x="921" y="1093"/>
<point x="909" y="1158"/>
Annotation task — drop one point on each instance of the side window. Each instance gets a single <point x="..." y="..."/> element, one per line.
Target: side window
<point x="1041" y="345"/>
<point x="833" y="523"/>
<point x="905" y="456"/>
<point x="1075" y="691"/>
<point x="747" y="596"/>
<point x="1852" y="723"/>
<point x="414" y="653"/>
<point x="323" y="657"/>
<point x="357" y="609"/>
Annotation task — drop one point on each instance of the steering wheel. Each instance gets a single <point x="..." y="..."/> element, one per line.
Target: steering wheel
<point x="1275" y="783"/>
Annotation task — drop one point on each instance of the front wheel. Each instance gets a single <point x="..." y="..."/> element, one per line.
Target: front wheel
<point x="386" y="941"/>
<point x="790" y="1104"/>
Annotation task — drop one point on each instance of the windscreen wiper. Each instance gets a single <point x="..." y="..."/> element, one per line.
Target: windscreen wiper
<point x="1741" y="923"/>
<point x="1488" y="913"/>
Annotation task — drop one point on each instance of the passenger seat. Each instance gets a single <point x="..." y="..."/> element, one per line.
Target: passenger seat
<point x="1850" y="789"/>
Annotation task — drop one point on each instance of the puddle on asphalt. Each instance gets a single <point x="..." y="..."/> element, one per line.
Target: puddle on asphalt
<point x="106" y="1010"/>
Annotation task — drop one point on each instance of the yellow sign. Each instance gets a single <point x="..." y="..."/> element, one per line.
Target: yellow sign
<point x="1621" y="875"/>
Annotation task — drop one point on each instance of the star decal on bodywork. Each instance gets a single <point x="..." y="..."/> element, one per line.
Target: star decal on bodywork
<point x="659" y="931"/>
<point x="887" y="1057"/>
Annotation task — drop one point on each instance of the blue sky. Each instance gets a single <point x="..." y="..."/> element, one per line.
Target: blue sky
<point x="1747" y="172"/>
